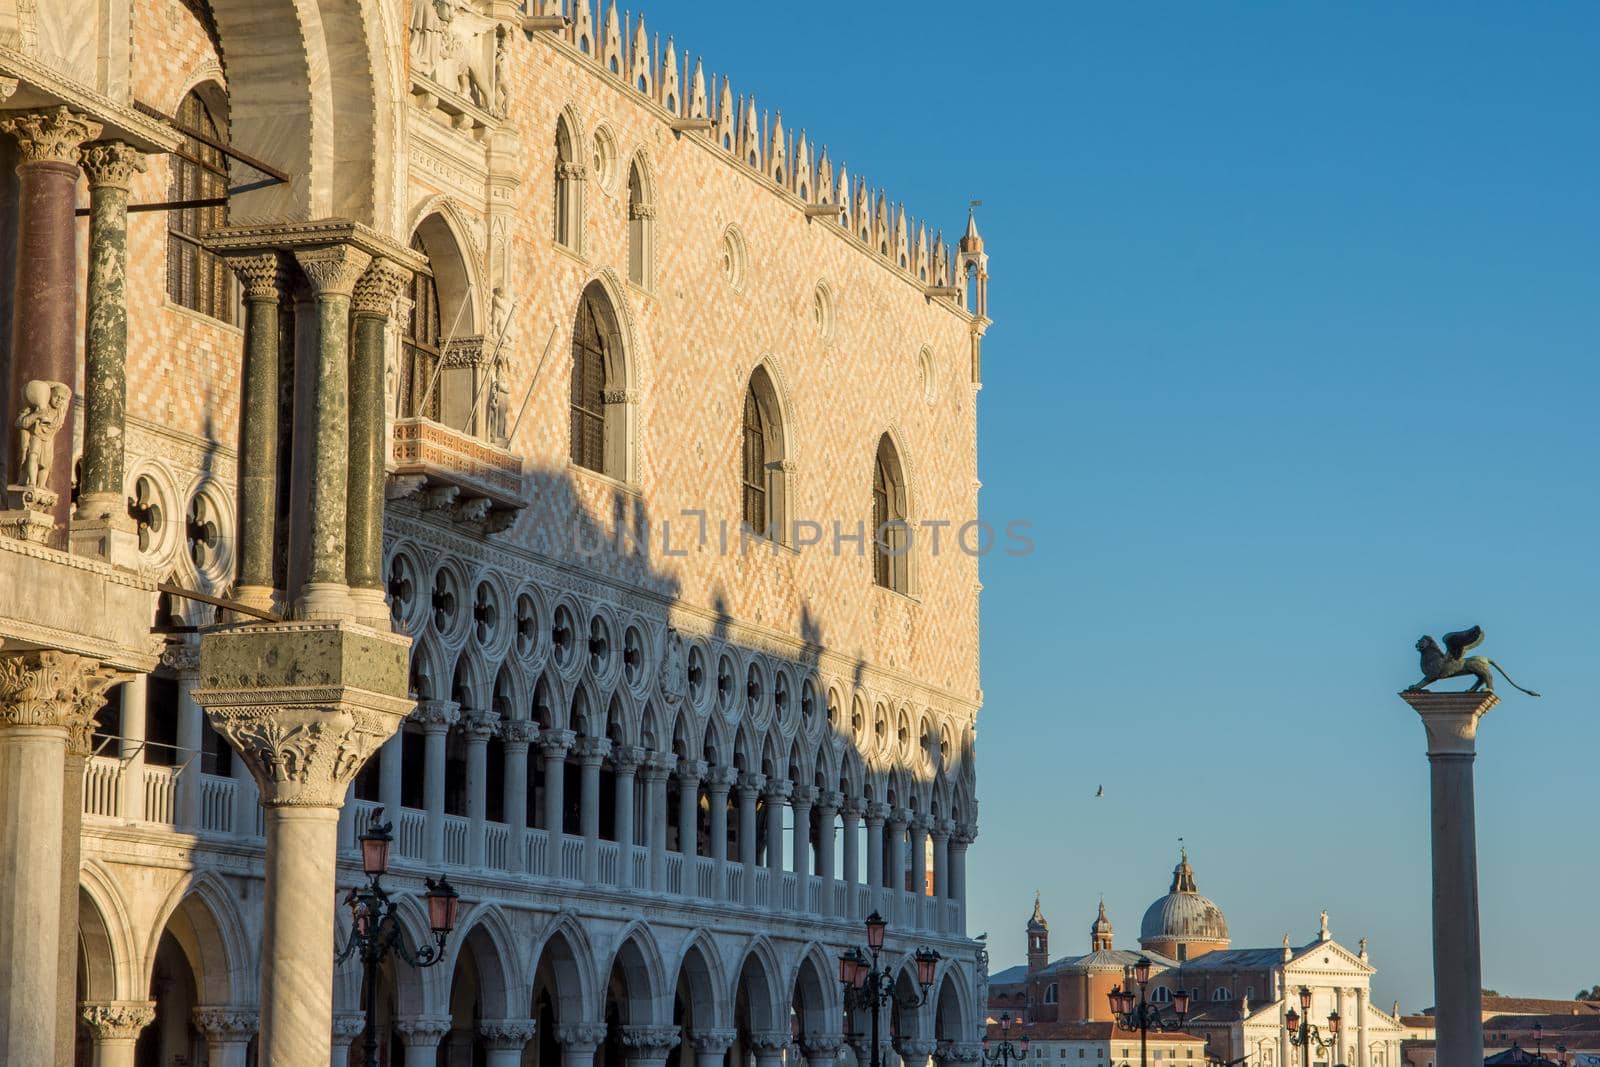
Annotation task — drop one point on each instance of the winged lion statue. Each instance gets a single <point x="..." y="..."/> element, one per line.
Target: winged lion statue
<point x="1453" y="662"/>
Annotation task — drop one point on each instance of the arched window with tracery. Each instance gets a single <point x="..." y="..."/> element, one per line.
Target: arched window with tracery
<point x="762" y="464"/>
<point x="641" y="227"/>
<point x="197" y="279"/>
<point x="568" y="199"/>
<point x="892" y="534"/>
<point x="599" y="388"/>
<point x="420" y="345"/>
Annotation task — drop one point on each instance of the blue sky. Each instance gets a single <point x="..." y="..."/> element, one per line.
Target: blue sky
<point x="1297" y="310"/>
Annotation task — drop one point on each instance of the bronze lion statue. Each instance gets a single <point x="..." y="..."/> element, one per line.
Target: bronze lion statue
<point x="1451" y="661"/>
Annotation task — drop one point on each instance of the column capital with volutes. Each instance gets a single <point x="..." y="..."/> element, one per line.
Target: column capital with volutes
<point x="332" y="270"/>
<point x="591" y="751"/>
<point x="713" y="1041"/>
<point x="436" y="716"/>
<point x="691" y="770"/>
<point x="55" y="689"/>
<point x="899" y="818"/>
<point x="751" y="784"/>
<point x="875" y="811"/>
<point x="111" y="164"/>
<point x="50" y="135"/>
<point x="479" y="726"/>
<point x="263" y="275"/>
<point x="424" y="1031"/>
<point x="114" y="1020"/>
<point x="506" y="1035"/>
<point x="227" y="1025"/>
<point x="830" y="801"/>
<point x="580" y="1036"/>
<point x="721" y="779"/>
<point x="649" y="1038"/>
<point x="374" y="293"/>
<point x="555" y="744"/>
<point x="518" y="733"/>
<point x="778" y="790"/>
<point x="658" y="766"/>
<point x="804" y="796"/>
<point x="627" y="759"/>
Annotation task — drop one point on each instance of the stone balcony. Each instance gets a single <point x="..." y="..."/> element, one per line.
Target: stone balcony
<point x="447" y="470"/>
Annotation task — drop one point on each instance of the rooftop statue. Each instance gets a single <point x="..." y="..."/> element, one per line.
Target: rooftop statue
<point x="1451" y="661"/>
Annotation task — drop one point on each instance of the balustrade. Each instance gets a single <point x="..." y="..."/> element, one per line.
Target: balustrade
<point x="496" y="855"/>
<point x="216" y="804"/>
<point x="572" y="858"/>
<point x="160" y="795"/>
<point x="537" y="844"/>
<point x="411" y="834"/>
<point x="102" y="786"/>
<point x="457" y="828"/>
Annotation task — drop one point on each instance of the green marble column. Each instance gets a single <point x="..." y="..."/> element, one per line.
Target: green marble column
<point x="110" y="166"/>
<point x="261" y="277"/>
<point x="371" y="306"/>
<point x="333" y="271"/>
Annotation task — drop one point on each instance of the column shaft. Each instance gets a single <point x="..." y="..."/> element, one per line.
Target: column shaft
<point x="32" y="762"/>
<point x="186" y="660"/>
<point x="777" y="802"/>
<point x="717" y="831"/>
<point x="852" y="860"/>
<point x="624" y="821"/>
<point x="371" y="304"/>
<point x="434" y="737"/>
<point x="477" y="732"/>
<point x="874" y="858"/>
<point x="517" y="735"/>
<point x="554" y="745"/>
<point x="135" y="709"/>
<point x="688" y="825"/>
<point x="258" y="427"/>
<point x="656" y="793"/>
<point x="749" y="786"/>
<point x="1457" y="966"/>
<point x="827" y="838"/>
<point x="297" y="936"/>
<point x="592" y="753"/>
<point x="390" y="780"/>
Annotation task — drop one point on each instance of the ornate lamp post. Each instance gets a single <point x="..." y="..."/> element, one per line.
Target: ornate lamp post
<point x="374" y="930"/>
<point x="869" y="986"/>
<point x="1141" y="1015"/>
<point x="1006" y="1050"/>
<point x="1307" y="1036"/>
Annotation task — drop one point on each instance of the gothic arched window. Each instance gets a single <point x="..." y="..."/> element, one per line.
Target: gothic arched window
<point x="599" y="388"/>
<point x="568" y="200"/>
<point x="420" y="343"/>
<point x="892" y="534"/>
<point x="762" y="475"/>
<point x="197" y="279"/>
<point x="641" y="225"/>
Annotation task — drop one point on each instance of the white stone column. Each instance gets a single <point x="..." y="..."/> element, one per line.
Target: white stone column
<point x="718" y="783"/>
<point x="46" y="700"/>
<point x="876" y="813"/>
<point x="246" y="799"/>
<point x="1341" y="1039"/>
<point x="804" y="797"/>
<point x="777" y="797"/>
<point x="184" y="661"/>
<point x="690" y="771"/>
<point x="477" y="728"/>
<point x="942" y="829"/>
<point x="963" y="837"/>
<point x="591" y="753"/>
<point x="578" y="1042"/>
<point x="435" y="717"/>
<point x="391" y="782"/>
<point x="1451" y="722"/>
<point x="422" y="1036"/>
<point x="895" y="877"/>
<point x="227" y="1032"/>
<point x="553" y="745"/>
<point x="115" y="1027"/>
<point x="516" y="735"/>
<point x="851" y="813"/>
<point x="750" y="786"/>
<point x="1363" y="1053"/>
<point x="626" y="760"/>
<point x="135" y="705"/>
<point x="828" y="802"/>
<point x="347" y="1026"/>
<point x="504" y="1040"/>
<point x="657" y="770"/>
<point x="918" y="829"/>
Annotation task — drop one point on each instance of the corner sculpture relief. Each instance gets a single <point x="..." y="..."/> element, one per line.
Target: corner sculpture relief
<point x="1451" y="662"/>
<point x="43" y="414"/>
<point x="447" y="46"/>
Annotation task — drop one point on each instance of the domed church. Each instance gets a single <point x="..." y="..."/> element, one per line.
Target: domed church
<point x="1239" y="997"/>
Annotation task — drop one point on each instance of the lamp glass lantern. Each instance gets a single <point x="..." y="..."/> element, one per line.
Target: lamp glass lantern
<point x="443" y="902"/>
<point x="1333" y="1022"/>
<point x="1141" y="970"/>
<point x="1305" y="999"/>
<point x="876" y="926"/>
<point x="1292" y="1020"/>
<point x="375" y="847"/>
<point x="1180" y="1002"/>
<point x="927" y="964"/>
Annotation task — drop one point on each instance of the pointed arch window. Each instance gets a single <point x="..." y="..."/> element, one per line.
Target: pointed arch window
<point x="420" y="344"/>
<point x="892" y="533"/>
<point x="568" y="198"/>
<point x="641" y="228"/>
<point x="600" y="397"/>
<point x="197" y="279"/>
<point x="763" y="463"/>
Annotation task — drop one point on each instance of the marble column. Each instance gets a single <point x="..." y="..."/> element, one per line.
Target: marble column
<point x="690" y="771"/>
<point x="477" y="728"/>
<point x="1340" y="1039"/>
<point x="504" y="1039"/>
<point x="851" y="814"/>
<point x="1451" y="722"/>
<point x="422" y="1036"/>
<point x="918" y="829"/>
<point x="718" y="782"/>
<point x="44" y="322"/>
<point x="347" y="1026"/>
<point x="876" y="813"/>
<point x="115" y="1027"/>
<point x="942" y="829"/>
<point x="578" y="1042"/>
<point x="371" y="304"/>
<point x="227" y="1032"/>
<point x="102" y="526"/>
<point x="647" y="1046"/>
<point x="828" y="802"/>
<point x="801" y="802"/>
<point x="777" y="796"/>
<point x="391" y="776"/>
<point x="656" y="771"/>
<point x="517" y="735"/>
<point x="750" y="786"/>
<point x="436" y="717"/>
<point x="333" y="271"/>
<point x="184" y="661"/>
<point x="626" y="760"/>
<point x="963" y="837"/>
<point x="591" y="753"/>
<point x="135" y="711"/>
<point x="895" y="877"/>
<point x="80" y="743"/>
<point x="553" y="745"/>
<point x="769" y="1047"/>
<point x="47" y="704"/>
<point x="263" y="278"/>
<point x="820" y="1050"/>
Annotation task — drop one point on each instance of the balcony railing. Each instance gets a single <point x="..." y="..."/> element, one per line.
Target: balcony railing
<point x="461" y="475"/>
<point x="102" y="786"/>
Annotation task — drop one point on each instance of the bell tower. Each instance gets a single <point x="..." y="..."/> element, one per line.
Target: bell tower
<point x="1038" y="939"/>
<point x="1100" y="931"/>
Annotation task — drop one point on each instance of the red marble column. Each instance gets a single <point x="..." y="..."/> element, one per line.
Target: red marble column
<point x="43" y="329"/>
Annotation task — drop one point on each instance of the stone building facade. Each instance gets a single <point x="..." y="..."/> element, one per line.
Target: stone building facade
<point x="495" y="419"/>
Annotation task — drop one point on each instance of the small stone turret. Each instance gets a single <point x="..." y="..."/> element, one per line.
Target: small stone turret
<point x="1100" y="931"/>
<point x="1038" y="939"/>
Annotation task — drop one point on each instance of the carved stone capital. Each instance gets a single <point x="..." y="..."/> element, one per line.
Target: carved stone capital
<point x="54" y="689"/>
<point x="182" y="659"/>
<point x="721" y="779"/>
<point x="691" y="770"/>
<point x="436" y="715"/>
<point x="555" y="742"/>
<point x="1450" y="719"/>
<point x="51" y="135"/>
<point x="119" y="1020"/>
<point x="769" y="1040"/>
<point x="712" y="1042"/>
<point x="942" y="828"/>
<point x="915" y="1050"/>
<point x="658" y="766"/>
<point x="619" y="396"/>
<point x="652" y="1038"/>
<point x="332" y="270"/>
<point x="965" y="834"/>
<point x="379" y="284"/>
<point x="899" y="818"/>
<point x="232" y="1026"/>
<point x="830" y="801"/>
<point x="347" y="1026"/>
<point x="574" y="172"/>
<point x="261" y="275"/>
<point x="591" y="751"/>
<point x="480" y="726"/>
<point x="877" y="811"/>
<point x="424" y="1031"/>
<point x="958" y="1052"/>
<point x="751" y="784"/>
<point x="586" y="1036"/>
<point x="804" y="796"/>
<point x="518" y="733"/>
<point x="111" y="164"/>
<point x="641" y="211"/>
<point x="506" y="1035"/>
<point x="826" y="1046"/>
<point x="627" y="759"/>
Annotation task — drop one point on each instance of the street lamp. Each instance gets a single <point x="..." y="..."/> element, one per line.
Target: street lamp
<point x="1141" y="1015"/>
<point x="375" y="931"/>
<point x="1005" y="1051"/>
<point x="1308" y="1036"/>
<point x="868" y="986"/>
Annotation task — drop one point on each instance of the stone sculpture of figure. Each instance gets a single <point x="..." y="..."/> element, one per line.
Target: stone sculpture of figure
<point x="501" y="324"/>
<point x="499" y="397"/>
<point x="430" y="21"/>
<point x="42" y="417"/>
<point x="1452" y="662"/>
<point x="502" y="78"/>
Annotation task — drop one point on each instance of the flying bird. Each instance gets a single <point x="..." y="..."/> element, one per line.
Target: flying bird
<point x="1100" y="792"/>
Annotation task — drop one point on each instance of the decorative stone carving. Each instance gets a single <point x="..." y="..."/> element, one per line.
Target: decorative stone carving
<point x="347" y="1026"/>
<point x="958" y="1051"/>
<point x="573" y="172"/>
<point x="402" y="486"/>
<point x="119" y="1020"/>
<point x="424" y="1031"/>
<point x="829" y="801"/>
<point x="50" y="136"/>
<point x="48" y="688"/>
<point x="233" y="1026"/>
<point x="447" y="48"/>
<point x="714" y="1042"/>
<point x="518" y="732"/>
<point x="377" y="287"/>
<point x="502" y="78"/>
<point x="332" y="270"/>
<point x="591" y="751"/>
<point x="769" y="1041"/>
<point x="657" y="1039"/>
<point x="580" y="1035"/>
<point x="674" y="669"/>
<point x="436" y="715"/>
<point x="506" y="1034"/>
<point x="914" y="1051"/>
<point x="826" y="1046"/>
<point x="111" y="164"/>
<point x="480" y="725"/>
<point x="181" y="659"/>
<point x="555" y="742"/>
<point x="44" y="412"/>
<point x="620" y="396"/>
<point x="628" y="758"/>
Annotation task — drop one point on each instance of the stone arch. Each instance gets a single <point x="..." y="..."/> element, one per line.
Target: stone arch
<point x="548" y="706"/>
<point x="766" y="453"/>
<point x="713" y="749"/>
<point x="605" y="380"/>
<point x="701" y="976"/>
<point x="952" y="1008"/>
<point x="106" y="948"/>
<point x="429" y="678"/>
<point x="586" y="713"/>
<point x="563" y="959"/>
<point x="894" y="513"/>
<point x="469" y="683"/>
<point x="567" y="174"/>
<point x="200" y="914"/>
<point x="486" y="934"/>
<point x="639" y="974"/>
<point x="815" y="997"/>
<point x="510" y="693"/>
<point x="907" y="1023"/>
<point x="759" y="980"/>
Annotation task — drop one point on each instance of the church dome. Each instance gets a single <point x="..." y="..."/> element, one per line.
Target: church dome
<point x="1183" y="914"/>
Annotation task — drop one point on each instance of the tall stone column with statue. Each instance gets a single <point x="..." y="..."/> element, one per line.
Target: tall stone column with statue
<point x="1451" y="722"/>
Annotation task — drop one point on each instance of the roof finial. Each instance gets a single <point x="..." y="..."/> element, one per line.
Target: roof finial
<point x="1288" y="953"/>
<point x="1323" y="935"/>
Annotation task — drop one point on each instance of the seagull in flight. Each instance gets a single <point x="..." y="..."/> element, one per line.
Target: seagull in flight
<point x="1100" y="792"/>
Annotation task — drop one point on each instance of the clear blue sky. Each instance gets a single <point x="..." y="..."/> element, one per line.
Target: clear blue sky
<point x="1297" y="315"/>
